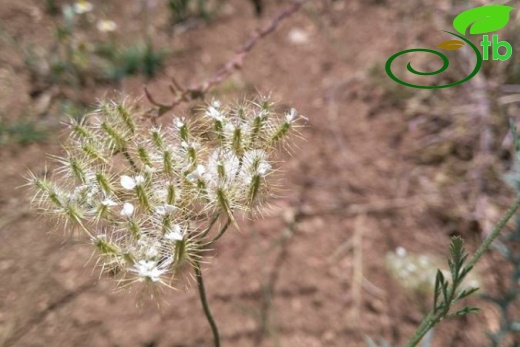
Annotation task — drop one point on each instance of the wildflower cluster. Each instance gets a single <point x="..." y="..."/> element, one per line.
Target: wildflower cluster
<point x="153" y="200"/>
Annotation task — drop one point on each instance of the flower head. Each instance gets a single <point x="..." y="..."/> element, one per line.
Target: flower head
<point x="142" y="195"/>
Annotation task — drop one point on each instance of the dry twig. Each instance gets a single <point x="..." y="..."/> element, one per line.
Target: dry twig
<point x="198" y="91"/>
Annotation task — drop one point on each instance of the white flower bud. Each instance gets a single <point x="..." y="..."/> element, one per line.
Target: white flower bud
<point x="108" y="202"/>
<point x="165" y="209"/>
<point x="174" y="234"/>
<point x="128" y="182"/>
<point x="128" y="209"/>
<point x="197" y="174"/>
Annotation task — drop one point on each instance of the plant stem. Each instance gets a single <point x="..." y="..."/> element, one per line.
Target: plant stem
<point x="494" y="233"/>
<point x="210" y="226"/>
<point x="431" y="319"/>
<point x="205" y="306"/>
<point x="221" y="232"/>
<point x="130" y="160"/>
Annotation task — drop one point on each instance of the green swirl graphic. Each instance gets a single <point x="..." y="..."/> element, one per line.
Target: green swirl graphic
<point x="445" y="64"/>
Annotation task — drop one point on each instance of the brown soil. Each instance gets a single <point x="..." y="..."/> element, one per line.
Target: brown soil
<point x="356" y="184"/>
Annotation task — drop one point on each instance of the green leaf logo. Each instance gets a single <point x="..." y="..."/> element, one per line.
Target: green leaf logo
<point x="482" y="19"/>
<point x="451" y="45"/>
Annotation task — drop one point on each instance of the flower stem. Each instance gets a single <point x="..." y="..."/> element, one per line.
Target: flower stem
<point x="205" y="306"/>
<point x="130" y="160"/>
<point x="221" y="232"/>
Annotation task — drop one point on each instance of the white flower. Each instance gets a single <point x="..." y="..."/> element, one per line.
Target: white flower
<point x="130" y="183"/>
<point x="214" y="112"/>
<point x="263" y="168"/>
<point x="108" y="202"/>
<point x="179" y="122"/>
<point x="255" y="163"/>
<point x="222" y="164"/>
<point x="291" y="116"/>
<point x="197" y="174"/>
<point x="148" y="269"/>
<point x="262" y="114"/>
<point x="165" y="209"/>
<point x="175" y="233"/>
<point x="401" y="252"/>
<point x="128" y="209"/>
<point x="82" y="6"/>
<point x="186" y="145"/>
<point x="149" y="169"/>
<point x="106" y="25"/>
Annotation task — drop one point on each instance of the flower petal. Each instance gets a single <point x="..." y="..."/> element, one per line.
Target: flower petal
<point x="128" y="209"/>
<point x="128" y="182"/>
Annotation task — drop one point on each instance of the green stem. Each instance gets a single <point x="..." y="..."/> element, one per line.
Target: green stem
<point x="221" y="232"/>
<point x="130" y="160"/>
<point x="205" y="306"/>
<point x="421" y="330"/>
<point x="494" y="233"/>
<point x="210" y="226"/>
<point x="431" y="319"/>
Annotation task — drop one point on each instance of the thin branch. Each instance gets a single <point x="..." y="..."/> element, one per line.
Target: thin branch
<point x="221" y="232"/>
<point x="210" y="226"/>
<point x="198" y="91"/>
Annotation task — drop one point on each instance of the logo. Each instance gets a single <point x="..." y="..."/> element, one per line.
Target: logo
<point x="479" y="20"/>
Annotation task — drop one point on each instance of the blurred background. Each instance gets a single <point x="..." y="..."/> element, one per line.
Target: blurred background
<point x="384" y="176"/>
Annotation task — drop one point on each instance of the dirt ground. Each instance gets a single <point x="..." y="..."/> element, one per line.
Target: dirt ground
<point x="358" y="183"/>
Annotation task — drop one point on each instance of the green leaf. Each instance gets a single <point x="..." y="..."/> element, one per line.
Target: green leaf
<point x="458" y="255"/>
<point x="464" y="311"/>
<point x="444" y="287"/>
<point x="483" y="19"/>
<point x="439" y="280"/>
<point x="467" y="292"/>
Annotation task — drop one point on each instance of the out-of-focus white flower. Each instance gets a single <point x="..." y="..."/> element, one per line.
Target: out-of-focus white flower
<point x="175" y="233"/>
<point x="197" y="174"/>
<point x="108" y="202"/>
<point x="128" y="209"/>
<point x="148" y="269"/>
<point x="130" y="183"/>
<point x="165" y="209"/>
<point x="186" y="145"/>
<point x="149" y="169"/>
<point x="106" y="25"/>
<point x="401" y="252"/>
<point x="178" y="122"/>
<point x="214" y="112"/>
<point x="291" y="116"/>
<point x="298" y="36"/>
<point x="82" y="6"/>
